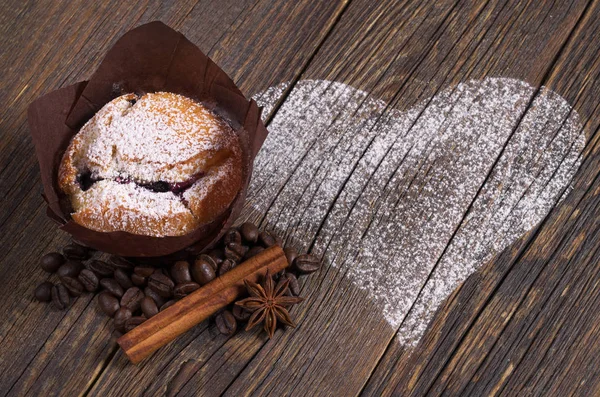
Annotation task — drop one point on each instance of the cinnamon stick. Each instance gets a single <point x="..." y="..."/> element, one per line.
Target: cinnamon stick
<point x="167" y="325"/>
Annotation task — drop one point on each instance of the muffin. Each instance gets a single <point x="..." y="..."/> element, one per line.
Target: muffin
<point x="157" y="165"/>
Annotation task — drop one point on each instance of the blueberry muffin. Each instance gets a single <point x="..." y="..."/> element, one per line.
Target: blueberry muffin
<point x="159" y="164"/>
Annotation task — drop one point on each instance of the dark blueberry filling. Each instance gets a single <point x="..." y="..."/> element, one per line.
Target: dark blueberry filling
<point x="158" y="187"/>
<point x="86" y="180"/>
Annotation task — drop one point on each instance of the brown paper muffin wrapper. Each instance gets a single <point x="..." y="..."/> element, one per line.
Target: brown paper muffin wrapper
<point x="149" y="58"/>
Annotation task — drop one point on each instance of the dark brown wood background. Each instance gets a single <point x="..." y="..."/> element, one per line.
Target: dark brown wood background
<point x="526" y="323"/>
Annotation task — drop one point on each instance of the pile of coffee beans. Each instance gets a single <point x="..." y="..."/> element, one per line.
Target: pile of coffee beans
<point x="131" y="290"/>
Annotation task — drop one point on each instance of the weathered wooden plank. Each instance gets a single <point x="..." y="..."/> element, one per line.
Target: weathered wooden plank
<point x="498" y="330"/>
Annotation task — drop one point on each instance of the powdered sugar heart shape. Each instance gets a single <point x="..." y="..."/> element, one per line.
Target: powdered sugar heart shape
<point x="411" y="202"/>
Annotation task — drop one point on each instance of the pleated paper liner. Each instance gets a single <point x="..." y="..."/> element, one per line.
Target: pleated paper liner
<point x="149" y="58"/>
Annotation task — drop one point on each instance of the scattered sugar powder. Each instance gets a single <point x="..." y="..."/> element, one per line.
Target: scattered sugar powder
<point x="152" y="139"/>
<point x="402" y="201"/>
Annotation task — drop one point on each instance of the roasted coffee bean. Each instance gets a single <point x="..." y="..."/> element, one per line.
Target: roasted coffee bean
<point x="249" y="232"/>
<point x="226" y="323"/>
<point x="43" y="292"/>
<point x="180" y="272"/>
<point x="226" y="266"/>
<point x="111" y="285"/>
<point x="108" y="303"/>
<point x="60" y="297"/>
<point x="70" y="269"/>
<point x="156" y="297"/>
<point x="144" y="271"/>
<point x="202" y="272"/>
<point x="294" y="286"/>
<point x="138" y="280"/>
<point x="235" y="251"/>
<point x="121" y="263"/>
<point x="240" y="313"/>
<point x="132" y="298"/>
<point x="291" y="254"/>
<point x="266" y="239"/>
<point x="162" y="284"/>
<point x="232" y="236"/>
<point x="167" y="305"/>
<point x="123" y="279"/>
<point x="307" y="263"/>
<point x="121" y="317"/>
<point x="209" y="259"/>
<point x="89" y="280"/>
<point x="102" y="269"/>
<point x="73" y="285"/>
<point x="133" y="322"/>
<point x="75" y="251"/>
<point x="149" y="307"/>
<point x="278" y="240"/>
<point x="184" y="289"/>
<point x="51" y="262"/>
<point x="162" y="271"/>
<point x="217" y="254"/>
<point x="257" y="249"/>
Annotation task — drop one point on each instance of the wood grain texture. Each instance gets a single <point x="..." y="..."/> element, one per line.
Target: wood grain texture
<point x="524" y="324"/>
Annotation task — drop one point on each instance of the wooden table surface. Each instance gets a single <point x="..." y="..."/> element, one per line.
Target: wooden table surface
<point x="526" y="323"/>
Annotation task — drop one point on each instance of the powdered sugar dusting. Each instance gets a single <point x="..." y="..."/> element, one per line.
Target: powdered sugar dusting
<point x="402" y="200"/>
<point x="153" y="139"/>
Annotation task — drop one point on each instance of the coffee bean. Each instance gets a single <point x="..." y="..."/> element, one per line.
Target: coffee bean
<point x="162" y="271"/>
<point x="202" y="272"/>
<point x="43" y="292"/>
<point x="133" y="322"/>
<point x="306" y="263"/>
<point x="123" y="279"/>
<point x="162" y="284"/>
<point x="144" y="271"/>
<point x="121" y="317"/>
<point x="149" y="307"/>
<point x="51" y="262"/>
<point x="156" y="297"/>
<point x="294" y="286"/>
<point x="180" y="272"/>
<point x="240" y="313"/>
<point x="102" y="269"/>
<point x="249" y="232"/>
<point x="232" y="236"/>
<point x="70" y="269"/>
<point x="217" y="255"/>
<point x="60" y="297"/>
<point x="132" y="299"/>
<point x="138" y="280"/>
<point x="73" y="285"/>
<point x="184" y="289"/>
<point x="111" y="285"/>
<point x="235" y="251"/>
<point x="226" y="266"/>
<point x="266" y="239"/>
<point x="226" y="323"/>
<point x="75" y="251"/>
<point x="108" y="303"/>
<point x="89" y="280"/>
<point x="167" y="305"/>
<point x="119" y="262"/>
<point x="278" y="240"/>
<point x="291" y="254"/>
<point x="209" y="259"/>
<point x="257" y="249"/>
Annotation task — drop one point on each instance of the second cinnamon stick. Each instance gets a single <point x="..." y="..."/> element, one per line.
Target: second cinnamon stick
<point x="164" y="327"/>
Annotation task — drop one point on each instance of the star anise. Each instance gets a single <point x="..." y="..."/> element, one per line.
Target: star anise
<point x="268" y="304"/>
